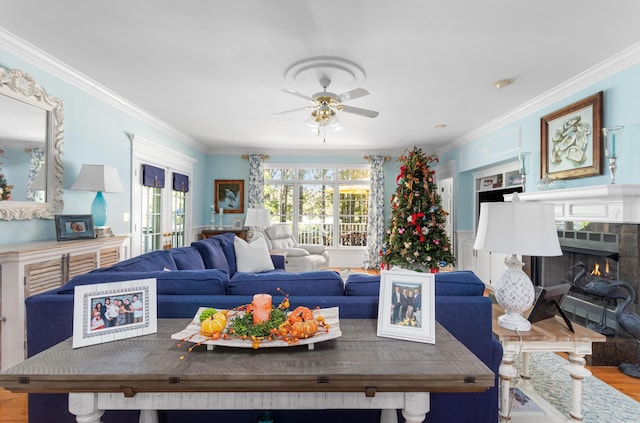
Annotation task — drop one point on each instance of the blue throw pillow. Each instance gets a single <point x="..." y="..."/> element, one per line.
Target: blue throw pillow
<point x="212" y="255"/>
<point x="147" y="262"/>
<point x="187" y="258"/>
<point x="226" y="242"/>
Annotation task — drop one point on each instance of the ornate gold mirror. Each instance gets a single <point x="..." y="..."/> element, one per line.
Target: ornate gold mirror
<point x="31" y="139"/>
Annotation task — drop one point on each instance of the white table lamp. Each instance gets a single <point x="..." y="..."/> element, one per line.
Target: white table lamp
<point x="516" y="228"/>
<point x="257" y="218"/>
<point x="98" y="178"/>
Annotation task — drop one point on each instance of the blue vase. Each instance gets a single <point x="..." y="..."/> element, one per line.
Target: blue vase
<point x="99" y="210"/>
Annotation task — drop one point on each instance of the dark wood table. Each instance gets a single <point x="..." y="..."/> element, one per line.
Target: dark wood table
<point x="240" y="232"/>
<point x="359" y="370"/>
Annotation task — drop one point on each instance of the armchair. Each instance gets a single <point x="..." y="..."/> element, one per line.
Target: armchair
<point x="299" y="257"/>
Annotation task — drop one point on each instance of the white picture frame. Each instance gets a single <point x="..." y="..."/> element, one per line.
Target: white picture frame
<point x="414" y="322"/>
<point x="237" y="223"/>
<point x="141" y="320"/>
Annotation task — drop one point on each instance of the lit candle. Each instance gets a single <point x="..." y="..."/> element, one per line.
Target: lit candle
<point x="261" y="308"/>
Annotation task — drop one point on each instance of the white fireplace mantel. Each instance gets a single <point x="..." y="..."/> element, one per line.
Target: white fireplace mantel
<point x="601" y="203"/>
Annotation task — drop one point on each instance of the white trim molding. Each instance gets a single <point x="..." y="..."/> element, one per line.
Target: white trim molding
<point x="602" y="203"/>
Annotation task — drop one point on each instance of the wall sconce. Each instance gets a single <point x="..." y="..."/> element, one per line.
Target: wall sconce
<point x="523" y="167"/>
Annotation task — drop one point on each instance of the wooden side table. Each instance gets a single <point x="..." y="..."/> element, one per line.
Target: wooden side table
<point x="551" y="335"/>
<point x="240" y="232"/>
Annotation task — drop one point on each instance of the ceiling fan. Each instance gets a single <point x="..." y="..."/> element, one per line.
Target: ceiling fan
<point x="325" y="104"/>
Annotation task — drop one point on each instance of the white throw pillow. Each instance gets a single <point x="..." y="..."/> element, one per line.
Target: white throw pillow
<point x="252" y="257"/>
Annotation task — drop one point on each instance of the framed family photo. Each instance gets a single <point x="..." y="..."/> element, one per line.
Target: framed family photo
<point x="111" y="311"/>
<point x="571" y="140"/>
<point x="74" y="226"/>
<point x="229" y="195"/>
<point x="406" y="309"/>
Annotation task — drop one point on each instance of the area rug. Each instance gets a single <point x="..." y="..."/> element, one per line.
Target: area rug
<point x="600" y="402"/>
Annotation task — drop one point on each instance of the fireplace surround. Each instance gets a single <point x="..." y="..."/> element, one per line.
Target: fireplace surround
<point x="599" y="226"/>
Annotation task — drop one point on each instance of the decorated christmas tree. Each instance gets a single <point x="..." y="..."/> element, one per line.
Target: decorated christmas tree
<point x="416" y="238"/>
<point x="5" y="188"/>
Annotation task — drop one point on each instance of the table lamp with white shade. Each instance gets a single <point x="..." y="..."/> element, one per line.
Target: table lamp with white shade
<point x="256" y="220"/>
<point x="98" y="178"/>
<point x="516" y="228"/>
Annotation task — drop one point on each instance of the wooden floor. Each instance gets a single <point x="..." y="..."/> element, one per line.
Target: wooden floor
<point x="13" y="407"/>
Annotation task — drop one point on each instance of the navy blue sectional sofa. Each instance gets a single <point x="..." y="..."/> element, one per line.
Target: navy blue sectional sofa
<point x="205" y="274"/>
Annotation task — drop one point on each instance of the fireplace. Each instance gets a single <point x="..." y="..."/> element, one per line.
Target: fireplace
<point x="600" y="227"/>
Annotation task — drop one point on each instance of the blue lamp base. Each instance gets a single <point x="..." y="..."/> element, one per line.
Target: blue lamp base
<point x="99" y="210"/>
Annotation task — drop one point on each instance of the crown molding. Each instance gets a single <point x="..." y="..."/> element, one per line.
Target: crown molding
<point x="30" y="53"/>
<point x="615" y="64"/>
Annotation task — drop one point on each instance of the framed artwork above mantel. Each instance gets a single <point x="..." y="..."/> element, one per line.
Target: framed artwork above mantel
<point x="571" y="140"/>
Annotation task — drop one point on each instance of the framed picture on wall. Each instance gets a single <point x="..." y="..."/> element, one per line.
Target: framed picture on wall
<point x="571" y="140"/>
<point x="229" y="195"/>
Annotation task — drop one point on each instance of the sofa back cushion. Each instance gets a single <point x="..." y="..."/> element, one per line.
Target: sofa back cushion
<point x="184" y="282"/>
<point x="187" y="258"/>
<point x="318" y="283"/>
<point x="212" y="254"/>
<point x="147" y="262"/>
<point x="459" y="283"/>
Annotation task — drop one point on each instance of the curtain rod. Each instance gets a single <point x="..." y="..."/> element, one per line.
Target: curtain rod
<point x="264" y="156"/>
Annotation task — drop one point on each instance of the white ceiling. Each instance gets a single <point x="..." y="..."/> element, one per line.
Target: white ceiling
<point x="215" y="70"/>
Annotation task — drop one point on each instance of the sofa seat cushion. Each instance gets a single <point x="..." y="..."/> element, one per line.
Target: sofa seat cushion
<point x="183" y="282"/>
<point x="458" y="283"/>
<point x="320" y="283"/>
<point x="147" y="262"/>
<point x="212" y="254"/>
<point x="252" y="257"/>
<point x="188" y="258"/>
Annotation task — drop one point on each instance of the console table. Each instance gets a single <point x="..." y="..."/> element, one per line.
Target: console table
<point x="358" y="370"/>
<point x="240" y="232"/>
<point x="30" y="268"/>
<point x="551" y="335"/>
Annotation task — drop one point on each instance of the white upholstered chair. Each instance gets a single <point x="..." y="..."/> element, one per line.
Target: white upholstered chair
<point x="300" y="257"/>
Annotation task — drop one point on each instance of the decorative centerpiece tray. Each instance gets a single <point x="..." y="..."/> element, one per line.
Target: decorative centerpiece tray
<point x="331" y="318"/>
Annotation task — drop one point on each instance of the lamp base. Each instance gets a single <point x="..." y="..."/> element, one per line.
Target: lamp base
<point x="514" y="321"/>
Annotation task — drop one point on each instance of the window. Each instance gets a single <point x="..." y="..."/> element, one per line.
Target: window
<point x="324" y="205"/>
<point x="161" y="200"/>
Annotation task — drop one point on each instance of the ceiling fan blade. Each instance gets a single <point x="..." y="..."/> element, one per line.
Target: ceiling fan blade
<point x="353" y="94"/>
<point x="296" y="93"/>
<point x="359" y="111"/>
<point x="293" y="110"/>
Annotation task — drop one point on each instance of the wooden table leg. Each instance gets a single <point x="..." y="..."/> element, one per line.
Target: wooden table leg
<point x="85" y="407"/>
<point x="578" y="372"/>
<point x="507" y="372"/>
